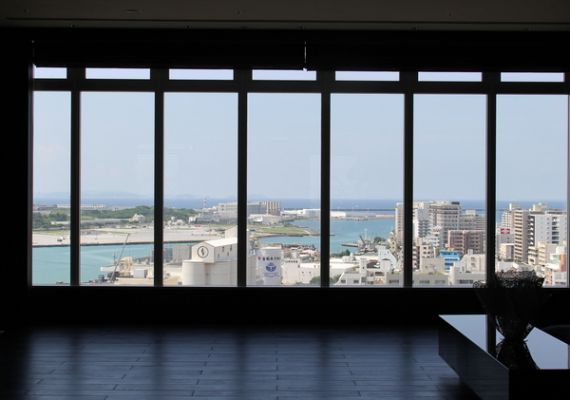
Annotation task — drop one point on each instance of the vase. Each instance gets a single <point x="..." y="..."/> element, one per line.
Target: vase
<point x="515" y="355"/>
<point x="514" y="300"/>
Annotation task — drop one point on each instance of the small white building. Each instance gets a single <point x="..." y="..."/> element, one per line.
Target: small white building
<point x="386" y="260"/>
<point x="339" y="266"/>
<point x="311" y="212"/>
<point x="204" y="218"/>
<point x="297" y="272"/>
<point x="338" y="214"/>
<point x="264" y="219"/>
<point x="431" y="264"/>
<point x="368" y="270"/>
<point x="460" y="276"/>
<point x="214" y="263"/>
<point x="137" y="218"/>
<point x="432" y="278"/>
<point x="554" y="275"/>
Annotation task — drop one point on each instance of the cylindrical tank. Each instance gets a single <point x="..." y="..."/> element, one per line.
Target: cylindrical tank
<point x="269" y="260"/>
<point x="193" y="273"/>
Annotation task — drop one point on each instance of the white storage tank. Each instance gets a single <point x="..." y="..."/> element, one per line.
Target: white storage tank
<point x="193" y="273"/>
<point x="269" y="261"/>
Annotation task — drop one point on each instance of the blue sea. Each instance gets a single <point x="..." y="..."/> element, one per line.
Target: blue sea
<point x="342" y="231"/>
<point x="51" y="264"/>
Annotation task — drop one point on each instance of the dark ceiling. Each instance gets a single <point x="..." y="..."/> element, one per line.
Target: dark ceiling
<point x="290" y="14"/>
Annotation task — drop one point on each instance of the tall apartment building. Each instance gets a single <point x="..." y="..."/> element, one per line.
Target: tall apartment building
<point x="399" y="223"/>
<point x="537" y="225"/>
<point x="504" y="243"/>
<point x="445" y="215"/>
<point x="507" y="216"/>
<point x="471" y="221"/>
<point x="466" y="240"/>
<point x="421" y="221"/>
<point x="520" y="229"/>
<point x="424" y="249"/>
<point x="546" y="228"/>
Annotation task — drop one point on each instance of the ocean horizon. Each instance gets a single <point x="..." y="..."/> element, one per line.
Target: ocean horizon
<point x="293" y="203"/>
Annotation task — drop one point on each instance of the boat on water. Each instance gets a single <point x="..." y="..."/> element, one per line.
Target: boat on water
<point x="364" y="245"/>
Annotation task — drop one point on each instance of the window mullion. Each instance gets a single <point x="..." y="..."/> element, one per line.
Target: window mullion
<point x="326" y="79"/>
<point x="30" y="175"/>
<point x="243" y="77"/>
<point x="567" y="81"/>
<point x="76" y="75"/>
<point x="491" y="81"/>
<point x="159" y="77"/>
<point x="409" y="79"/>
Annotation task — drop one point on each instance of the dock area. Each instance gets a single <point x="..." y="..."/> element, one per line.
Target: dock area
<point x="109" y="236"/>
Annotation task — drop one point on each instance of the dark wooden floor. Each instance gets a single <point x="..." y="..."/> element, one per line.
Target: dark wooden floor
<point x="224" y="363"/>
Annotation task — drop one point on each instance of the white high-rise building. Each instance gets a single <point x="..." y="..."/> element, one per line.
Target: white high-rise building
<point x="471" y="221"/>
<point x="507" y="216"/>
<point x="546" y="228"/>
<point x="421" y="221"/>
<point x="537" y="225"/>
<point x="445" y="215"/>
<point x="399" y="223"/>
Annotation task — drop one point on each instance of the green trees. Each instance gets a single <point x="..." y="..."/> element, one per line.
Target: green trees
<point x="46" y="218"/>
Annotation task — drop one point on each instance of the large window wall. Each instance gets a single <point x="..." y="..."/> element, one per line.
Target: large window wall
<point x="117" y="190"/>
<point x="532" y="176"/>
<point x="200" y="189"/>
<point x="156" y="177"/>
<point x="51" y="188"/>
<point x="284" y="174"/>
<point x="449" y="189"/>
<point x="367" y="180"/>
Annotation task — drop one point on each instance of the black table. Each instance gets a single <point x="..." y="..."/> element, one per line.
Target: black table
<point x="468" y="343"/>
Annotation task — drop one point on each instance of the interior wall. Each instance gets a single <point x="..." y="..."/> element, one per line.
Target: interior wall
<point x="14" y="116"/>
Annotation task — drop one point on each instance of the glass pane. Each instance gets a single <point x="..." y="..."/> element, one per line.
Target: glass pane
<point x="283" y="75"/>
<point x="366" y="185"/>
<point x="201" y="74"/>
<point x="367" y="76"/>
<point x="532" y="76"/>
<point x="52" y="146"/>
<point x="532" y="184"/>
<point x="117" y="73"/>
<point x="117" y="188"/>
<point x="449" y="76"/>
<point x="200" y="215"/>
<point x="50" y="73"/>
<point x="284" y="143"/>
<point x="449" y="190"/>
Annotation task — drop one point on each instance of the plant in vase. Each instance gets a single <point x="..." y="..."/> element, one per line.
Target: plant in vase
<point x="514" y="299"/>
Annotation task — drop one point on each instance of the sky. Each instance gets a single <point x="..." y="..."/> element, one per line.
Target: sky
<point x="449" y="147"/>
<point x="284" y="143"/>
